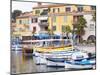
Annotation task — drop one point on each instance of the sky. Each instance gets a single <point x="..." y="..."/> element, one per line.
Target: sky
<point x="24" y="6"/>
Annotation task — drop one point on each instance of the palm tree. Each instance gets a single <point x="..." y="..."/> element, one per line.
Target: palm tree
<point x="80" y="25"/>
<point x="68" y="29"/>
<point x="94" y="16"/>
<point x="50" y="32"/>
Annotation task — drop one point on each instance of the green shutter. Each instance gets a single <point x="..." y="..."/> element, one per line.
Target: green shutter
<point x="63" y="28"/>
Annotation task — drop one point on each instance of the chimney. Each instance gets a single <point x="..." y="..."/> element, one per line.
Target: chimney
<point x="39" y="3"/>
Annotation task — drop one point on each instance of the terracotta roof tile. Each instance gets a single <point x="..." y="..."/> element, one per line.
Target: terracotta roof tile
<point x="25" y="14"/>
<point x="46" y="6"/>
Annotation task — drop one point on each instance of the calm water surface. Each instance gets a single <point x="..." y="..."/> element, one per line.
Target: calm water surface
<point x="21" y="63"/>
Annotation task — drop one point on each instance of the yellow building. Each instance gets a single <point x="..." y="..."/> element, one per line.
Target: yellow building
<point x="60" y="15"/>
<point x="22" y="24"/>
<point x="55" y="17"/>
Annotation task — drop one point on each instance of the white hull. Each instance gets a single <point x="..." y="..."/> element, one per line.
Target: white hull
<point x="16" y="47"/>
<point x="40" y="60"/>
<point x="66" y="55"/>
<point x="68" y="66"/>
<point x="55" y="64"/>
<point x="72" y="66"/>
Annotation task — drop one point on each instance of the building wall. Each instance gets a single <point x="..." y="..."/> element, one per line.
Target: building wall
<point x="24" y="21"/>
<point x="23" y="27"/>
<point x="60" y="19"/>
<point x="64" y="20"/>
<point x="31" y="25"/>
<point x="89" y="30"/>
<point x="87" y="8"/>
<point x="59" y="22"/>
<point x="40" y="9"/>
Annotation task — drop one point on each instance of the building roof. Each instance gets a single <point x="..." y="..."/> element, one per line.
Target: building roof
<point x="48" y="6"/>
<point x="39" y="5"/>
<point x="25" y="15"/>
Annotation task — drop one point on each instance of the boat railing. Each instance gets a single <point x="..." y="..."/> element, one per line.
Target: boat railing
<point x="47" y="40"/>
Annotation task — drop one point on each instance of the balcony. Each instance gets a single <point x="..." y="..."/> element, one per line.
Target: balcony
<point x="45" y="12"/>
<point x="43" y="24"/>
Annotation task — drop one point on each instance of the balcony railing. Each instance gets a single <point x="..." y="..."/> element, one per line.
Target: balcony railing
<point x="43" y="24"/>
<point x="45" y="12"/>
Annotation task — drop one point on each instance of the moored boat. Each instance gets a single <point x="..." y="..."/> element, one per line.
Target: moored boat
<point x="16" y="47"/>
<point x="54" y="64"/>
<point x="40" y="60"/>
<point x="83" y="64"/>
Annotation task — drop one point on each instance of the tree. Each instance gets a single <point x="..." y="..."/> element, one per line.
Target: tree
<point x="16" y="13"/>
<point x="94" y="16"/>
<point x="80" y="25"/>
<point x="68" y="29"/>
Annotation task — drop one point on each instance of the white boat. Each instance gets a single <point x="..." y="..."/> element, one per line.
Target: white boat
<point x="40" y="60"/>
<point x="57" y="58"/>
<point x="84" y="64"/>
<point x="55" y="64"/>
<point x="16" y="47"/>
<point x="62" y="56"/>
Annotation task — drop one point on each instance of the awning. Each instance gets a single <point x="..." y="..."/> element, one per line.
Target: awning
<point x="56" y="36"/>
<point x="41" y="36"/>
<point x="43" y="18"/>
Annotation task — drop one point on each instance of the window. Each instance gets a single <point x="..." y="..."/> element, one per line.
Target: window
<point x="93" y="8"/>
<point x="37" y="11"/>
<point x="63" y="28"/>
<point x="27" y="22"/>
<point x="53" y="10"/>
<point x="68" y="9"/>
<point x="65" y="18"/>
<point x="80" y="9"/>
<point x="20" y="21"/>
<point x="46" y="28"/>
<point x="76" y="18"/>
<point x="92" y="27"/>
<point x="33" y="20"/>
<point x="23" y="22"/>
<point x="34" y="29"/>
<point x="58" y="10"/>
<point x="49" y="9"/>
<point x="54" y="19"/>
<point x="54" y="28"/>
<point x="17" y="22"/>
<point x="44" y="21"/>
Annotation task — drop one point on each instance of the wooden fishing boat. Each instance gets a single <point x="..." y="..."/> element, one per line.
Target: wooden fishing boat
<point x="52" y="49"/>
<point x="83" y="64"/>
<point x="50" y="45"/>
<point x="61" y="56"/>
<point x="40" y="60"/>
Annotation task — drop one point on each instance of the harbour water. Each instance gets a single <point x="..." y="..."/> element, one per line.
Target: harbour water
<point x="25" y="64"/>
<point x="21" y="63"/>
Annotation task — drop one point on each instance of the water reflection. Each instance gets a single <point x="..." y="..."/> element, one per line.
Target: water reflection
<point x="21" y="63"/>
